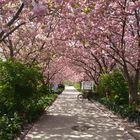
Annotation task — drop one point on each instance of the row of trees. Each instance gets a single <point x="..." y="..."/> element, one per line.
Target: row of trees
<point x="89" y="37"/>
<point x="26" y="35"/>
<point x="107" y="37"/>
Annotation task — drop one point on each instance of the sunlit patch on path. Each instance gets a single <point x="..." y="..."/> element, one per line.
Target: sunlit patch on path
<point x="69" y="119"/>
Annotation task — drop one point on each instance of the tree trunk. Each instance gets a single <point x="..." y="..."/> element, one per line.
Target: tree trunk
<point x="11" y="52"/>
<point x="133" y="86"/>
<point x="133" y="80"/>
<point x="133" y="92"/>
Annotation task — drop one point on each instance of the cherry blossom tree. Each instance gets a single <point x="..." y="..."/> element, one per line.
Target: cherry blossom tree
<point x="120" y="39"/>
<point x="112" y="26"/>
<point x="94" y="36"/>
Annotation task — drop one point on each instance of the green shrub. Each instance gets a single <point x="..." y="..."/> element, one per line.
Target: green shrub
<point x="61" y="86"/>
<point x="125" y="111"/>
<point x="9" y="126"/>
<point x="18" y="82"/>
<point x="36" y="107"/>
<point x="114" y="87"/>
<point x="58" y="89"/>
<point x="22" y="97"/>
<point x="43" y="89"/>
<point x="77" y="86"/>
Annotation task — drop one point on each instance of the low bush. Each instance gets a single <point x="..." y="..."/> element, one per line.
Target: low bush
<point x="113" y="93"/>
<point x="58" y="89"/>
<point x="61" y="86"/>
<point x="36" y="107"/>
<point x="18" y="83"/>
<point x="114" y="87"/>
<point x="22" y="97"/>
<point x="10" y="126"/>
<point x="125" y="111"/>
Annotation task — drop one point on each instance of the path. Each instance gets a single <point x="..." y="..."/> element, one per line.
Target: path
<point x="69" y="119"/>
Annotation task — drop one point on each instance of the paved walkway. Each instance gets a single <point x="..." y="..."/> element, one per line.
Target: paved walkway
<point x="69" y="119"/>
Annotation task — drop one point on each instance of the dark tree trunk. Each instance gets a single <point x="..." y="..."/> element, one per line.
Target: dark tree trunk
<point x="133" y="80"/>
<point x="133" y="92"/>
<point x="133" y="85"/>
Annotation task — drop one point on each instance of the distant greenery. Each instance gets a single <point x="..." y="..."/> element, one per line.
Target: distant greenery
<point x="77" y="86"/>
<point x="23" y="97"/>
<point x="61" y="88"/>
<point x="69" y="83"/>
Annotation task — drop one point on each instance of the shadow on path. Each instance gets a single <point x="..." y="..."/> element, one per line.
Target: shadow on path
<point x="69" y="119"/>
